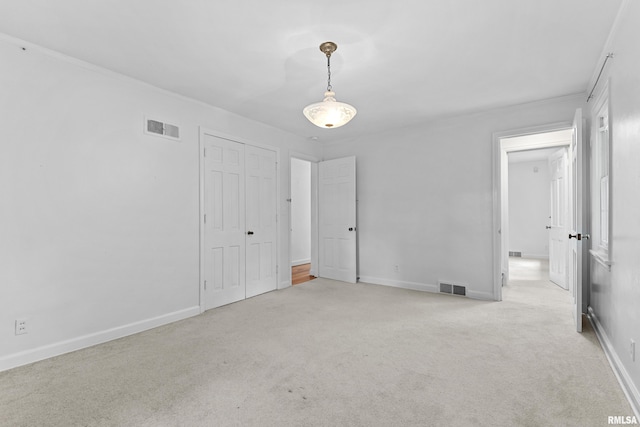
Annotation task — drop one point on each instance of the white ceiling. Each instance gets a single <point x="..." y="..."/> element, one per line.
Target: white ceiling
<point x="398" y="62"/>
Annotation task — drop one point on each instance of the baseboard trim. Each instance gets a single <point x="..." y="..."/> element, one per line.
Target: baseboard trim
<point x="285" y="284"/>
<point x="484" y="296"/>
<point x="56" y="349"/>
<point x="626" y="383"/>
<point x="300" y="262"/>
<point x="399" y="284"/>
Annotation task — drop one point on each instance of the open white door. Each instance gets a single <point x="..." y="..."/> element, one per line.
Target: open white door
<point x="558" y="242"/>
<point x="224" y="222"/>
<point x="577" y="222"/>
<point x="337" y="219"/>
<point x="260" y="220"/>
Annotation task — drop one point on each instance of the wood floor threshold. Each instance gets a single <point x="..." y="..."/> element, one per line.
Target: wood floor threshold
<point x="300" y="274"/>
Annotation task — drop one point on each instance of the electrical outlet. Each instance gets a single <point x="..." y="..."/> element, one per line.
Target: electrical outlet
<point x="21" y="326"/>
<point x="632" y="350"/>
<point x="396" y="268"/>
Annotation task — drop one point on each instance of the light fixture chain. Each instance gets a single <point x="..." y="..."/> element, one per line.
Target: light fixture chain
<point x="329" y="73"/>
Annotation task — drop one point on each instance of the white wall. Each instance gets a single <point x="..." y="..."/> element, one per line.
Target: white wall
<point x="100" y="222"/>
<point x="300" y="211"/>
<point x="615" y="295"/>
<point x="529" y="208"/>
<point x="425" y="199"/>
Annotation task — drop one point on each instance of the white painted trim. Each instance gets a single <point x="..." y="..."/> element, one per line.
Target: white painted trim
<point x="423" y="287"/>
<point x="606" y="263"/>
<point x="284" y="284"/>
<point x="300" y="262"/>
<point x="626" y="382"/>
<point x="484" y="296"/>
<point x="201" y="207"/>
<point x="56" y="349"/>
<point x="399" y="284"/>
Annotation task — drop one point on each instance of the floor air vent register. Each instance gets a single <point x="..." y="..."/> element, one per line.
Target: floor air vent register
<point x="450" y="288"/>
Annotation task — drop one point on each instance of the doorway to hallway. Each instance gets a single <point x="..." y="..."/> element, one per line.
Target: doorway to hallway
<point x="507" y="142"/>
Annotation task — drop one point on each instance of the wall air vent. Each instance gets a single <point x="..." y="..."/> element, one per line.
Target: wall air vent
<point x="516" y="254"/>
<point x="158" y="128"/>
<point x="459" y="290"/>
<point x="447" y="288"/>
<point x="450" y="288"/>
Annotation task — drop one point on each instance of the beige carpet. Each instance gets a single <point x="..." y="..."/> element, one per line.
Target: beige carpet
<point x="326" y="353"/>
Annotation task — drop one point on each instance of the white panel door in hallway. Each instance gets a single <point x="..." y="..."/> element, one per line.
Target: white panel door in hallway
<point x="577" y="210"/>
<point x="261" y="220"/>
<point x="337" y="219"/>
<point x="558" y="215"/>
<point x="239" y="221"/>
<point x="224" y="222"/>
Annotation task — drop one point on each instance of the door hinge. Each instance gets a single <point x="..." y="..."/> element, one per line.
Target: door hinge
<point x="205" y="218"/>
<point x="205" y="285"/>
<point x="276" y="269"/>
<point x="204" y="152"/>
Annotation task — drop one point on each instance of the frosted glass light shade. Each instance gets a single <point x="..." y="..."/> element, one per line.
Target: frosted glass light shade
<point x="329" y="113"/>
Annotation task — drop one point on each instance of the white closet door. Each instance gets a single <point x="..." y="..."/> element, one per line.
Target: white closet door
<point x="260" y="220"/>
<point x="224" y="224"/>
<point x="337" y="219"/>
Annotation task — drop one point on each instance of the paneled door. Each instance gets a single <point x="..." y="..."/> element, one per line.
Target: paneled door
<point x="261" y="220"/>
<point x="337" y="219"/>
<point x="224" y="221"/>
<point x="577" y="210"/>
<point x="239" y="250"/>
<point x="558" y="218"/>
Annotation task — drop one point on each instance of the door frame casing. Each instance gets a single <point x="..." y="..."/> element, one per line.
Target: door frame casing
<point x="500" y="234"/>
<point x="201" y="229"/>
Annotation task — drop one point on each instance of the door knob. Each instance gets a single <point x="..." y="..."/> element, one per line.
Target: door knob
<point x="250" y="233"/>
<point x="576" y="236"/>
<point x="351" y="228"/>
<point x="548" y="227"/>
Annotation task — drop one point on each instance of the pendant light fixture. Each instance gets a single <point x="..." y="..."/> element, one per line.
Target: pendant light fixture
<point x="329" y="113"/>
